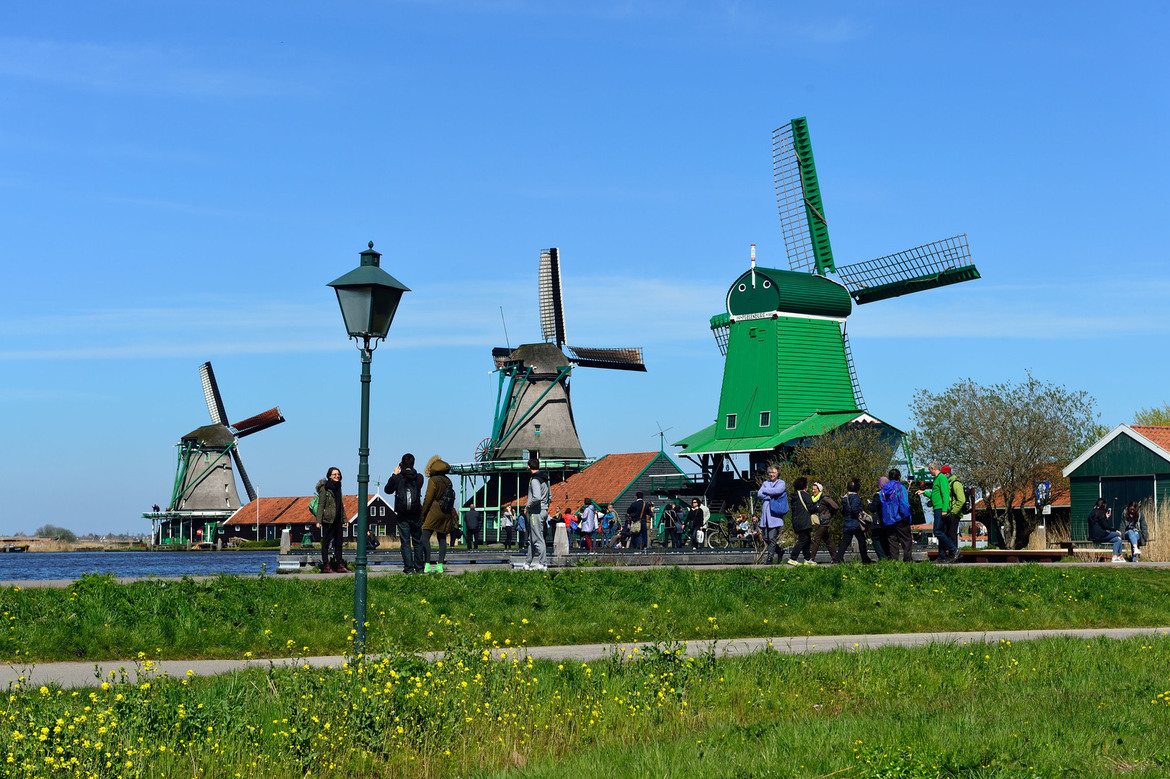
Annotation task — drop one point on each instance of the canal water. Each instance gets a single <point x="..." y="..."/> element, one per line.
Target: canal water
<point x="73" y="565"/>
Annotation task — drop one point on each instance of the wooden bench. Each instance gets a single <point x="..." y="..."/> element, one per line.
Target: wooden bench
<point x="1007" y="555"/>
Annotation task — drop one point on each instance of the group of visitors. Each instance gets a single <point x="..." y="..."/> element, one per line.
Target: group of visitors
<point x="884" y="516"/>
<point x="422" y="516"/>
<point x="1133" y="529"/>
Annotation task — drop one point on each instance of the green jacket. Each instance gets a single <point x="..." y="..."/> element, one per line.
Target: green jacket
<point x="940" y="493"/>
<point x="327" y="510"/>
<point x="958" y="496"/>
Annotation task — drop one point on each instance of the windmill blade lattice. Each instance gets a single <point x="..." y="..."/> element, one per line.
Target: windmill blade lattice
<point x="243" y="474"/>
<point x="552" y="306"/>
<point x="923" y="267"/>
<point x="798" y="194"/>
<point x="211" y="395"/>
<point x="617" y="358"/>
<point x="857" y="397"/>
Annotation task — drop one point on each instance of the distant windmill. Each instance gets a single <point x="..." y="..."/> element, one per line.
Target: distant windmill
<point x="789" y="373"/>
<point x="203" y="479"/>
<point x="533" y="412"/>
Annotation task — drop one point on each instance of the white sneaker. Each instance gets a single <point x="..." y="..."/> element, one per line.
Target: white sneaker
<point x="526" y="567"/>
<point x="792" y="562"/>
<point x="539" y="567"/>
<point x="810" y="562"/>
<point x="1117" y="559"/>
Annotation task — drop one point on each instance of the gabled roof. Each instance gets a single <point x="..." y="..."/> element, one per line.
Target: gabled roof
<point x="283" y="511"/>
<point x="1156" y="438"/>
<point x="603" y="481"/>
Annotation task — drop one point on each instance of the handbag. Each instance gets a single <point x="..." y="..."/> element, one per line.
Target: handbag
<point x="779" y="506"/>
<point x="813" y="517"/>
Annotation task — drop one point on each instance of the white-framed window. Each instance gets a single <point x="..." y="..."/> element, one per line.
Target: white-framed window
<point x="765" y="418"/>
<point x="381" y="530"/>
<point x="731" y="421"/>
<point x="381" y="511"/>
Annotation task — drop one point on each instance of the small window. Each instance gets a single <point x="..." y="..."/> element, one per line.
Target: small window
<point x="536" y="430"/>
<point x="731" y="421"/>
<point x="767" y="284"/>
<point x="381" y="530"/>
<point x="743" y="287"/>
<point x="765" y="418"/>
<point x="381" y="511"/>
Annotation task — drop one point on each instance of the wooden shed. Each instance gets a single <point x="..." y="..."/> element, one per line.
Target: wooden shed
<point x="1130" y="463"/>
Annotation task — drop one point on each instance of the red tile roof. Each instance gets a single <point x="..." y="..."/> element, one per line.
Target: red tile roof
<point x="1158" y="434"/>
<point x="603" y="481"/>
<point x="1060" y="493"/>
<point x="282" y="511"/>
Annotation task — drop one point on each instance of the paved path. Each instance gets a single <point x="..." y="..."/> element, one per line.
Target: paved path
<point x="69" y="675"/>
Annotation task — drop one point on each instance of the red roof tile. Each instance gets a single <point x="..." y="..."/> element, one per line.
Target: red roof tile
<point x="1158" y="434"/>
<point x="281" y="511"/>
<point x="1060" y="493"/>
<point x="603" y="481"/>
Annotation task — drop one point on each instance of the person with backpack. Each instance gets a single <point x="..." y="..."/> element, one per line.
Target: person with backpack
<point x="539" y="497"/>
<point x="959" y="506"/>
<point x="896" y="516"/>
<point x="587" y="524"/>
<point x="851" y="508"/>
<point x="773" y="493"/>
<point x="639" y="515"/>
<point x="406" y="485"/>
<point x="879" y="532"/>
<point x="438" y="511"/>
<point x="331" y="519"/>
<point x="940" y="503"/>
<point x="473" y="521"/>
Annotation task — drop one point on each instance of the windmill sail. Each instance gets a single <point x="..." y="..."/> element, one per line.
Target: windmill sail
<point x="248" y="488"/>
<point x="261" y="421"/>
<point x="802" y="214"/>
<point x="211" y="395"/>
<point x="552" y="306"/>
<point x="857" y="397"/>
<point x="923" y="267"/>
<point x="617" y="358"/>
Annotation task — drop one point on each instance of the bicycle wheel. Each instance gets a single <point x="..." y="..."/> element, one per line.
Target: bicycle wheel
<point x="717" y="539"/>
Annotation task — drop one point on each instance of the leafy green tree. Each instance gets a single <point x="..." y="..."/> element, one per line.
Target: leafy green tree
<point x="1003" y="439"/>
<point x="59" y="533"/>
<point x="1153" y="416"/>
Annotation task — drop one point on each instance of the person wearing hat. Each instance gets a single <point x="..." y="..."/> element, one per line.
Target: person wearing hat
<point x="940" y="502"/>
<point x="955" y="515"/>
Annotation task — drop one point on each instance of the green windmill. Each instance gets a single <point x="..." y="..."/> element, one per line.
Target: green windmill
<point x="789" y="374"/>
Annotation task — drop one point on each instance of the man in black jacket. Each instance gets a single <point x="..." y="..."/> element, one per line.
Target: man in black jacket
<point x="406" y="486"/>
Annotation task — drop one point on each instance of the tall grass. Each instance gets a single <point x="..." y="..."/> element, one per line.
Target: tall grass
<point x="1048" y="708"/>
<point x="99" y="619"/>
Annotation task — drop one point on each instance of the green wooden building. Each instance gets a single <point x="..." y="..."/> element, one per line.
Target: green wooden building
<point x="1130" y="463"/>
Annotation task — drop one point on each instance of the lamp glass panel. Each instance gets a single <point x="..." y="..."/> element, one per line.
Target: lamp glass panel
<point x="355" y="308"/>
<point x="384" y="306"/>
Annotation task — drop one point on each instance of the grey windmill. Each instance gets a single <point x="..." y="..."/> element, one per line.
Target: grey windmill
<point x="533" y="408"/>
<point x="203" y="479"/>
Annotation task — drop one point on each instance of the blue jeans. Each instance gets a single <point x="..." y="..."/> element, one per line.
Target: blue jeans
<point x="1113" y="538"/>
<point x="1135" y="541"/>
<point x="944" y="541"/>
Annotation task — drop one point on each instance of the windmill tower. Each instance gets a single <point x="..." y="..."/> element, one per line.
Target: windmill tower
<point x="204" y="480"/>
<point x="789" y="372"/>
<point x="534" y="412"/>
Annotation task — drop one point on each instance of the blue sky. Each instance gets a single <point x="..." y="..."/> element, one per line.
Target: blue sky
<point x="180" y="180"/>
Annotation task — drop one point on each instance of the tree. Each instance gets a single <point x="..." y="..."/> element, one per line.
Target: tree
<point x="1003" y="439"/>
<point x="59" y="533"/>
<point x="1153" y="416"/>
<point x="856" y="451"/>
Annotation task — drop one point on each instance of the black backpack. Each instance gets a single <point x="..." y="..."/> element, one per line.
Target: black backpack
<point x="447" y="500"/>
<point x="968" y="500"/>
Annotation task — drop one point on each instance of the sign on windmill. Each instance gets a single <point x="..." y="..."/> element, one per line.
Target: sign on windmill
<point x="204" y="480"/>
<point x="533" y="410"/>
<point x="789" y="373"/>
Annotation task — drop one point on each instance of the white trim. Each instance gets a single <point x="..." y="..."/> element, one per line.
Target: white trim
<point x="778" y="314"/>
<point x="1109" y="437"/>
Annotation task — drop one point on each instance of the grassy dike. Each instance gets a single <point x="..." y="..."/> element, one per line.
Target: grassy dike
<point x="226" y="617"/>
<point x="1049" y="708"/>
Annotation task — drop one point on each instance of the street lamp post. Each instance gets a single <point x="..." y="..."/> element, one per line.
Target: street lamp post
<point x="368" y="297"/>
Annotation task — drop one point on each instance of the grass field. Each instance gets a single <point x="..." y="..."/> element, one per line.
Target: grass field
<point x="97" y="618"/>
<point x="1056" y="707"/>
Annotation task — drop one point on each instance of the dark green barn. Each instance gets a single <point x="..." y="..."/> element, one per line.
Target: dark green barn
<point x="1131" y="463"/>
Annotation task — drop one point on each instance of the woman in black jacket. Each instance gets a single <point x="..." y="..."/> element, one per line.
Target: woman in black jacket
<point x="801" y="506"/>
<point x="851" y="507"/>
<point x="331" y="519"/>
<point x="1102" y="532"/>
